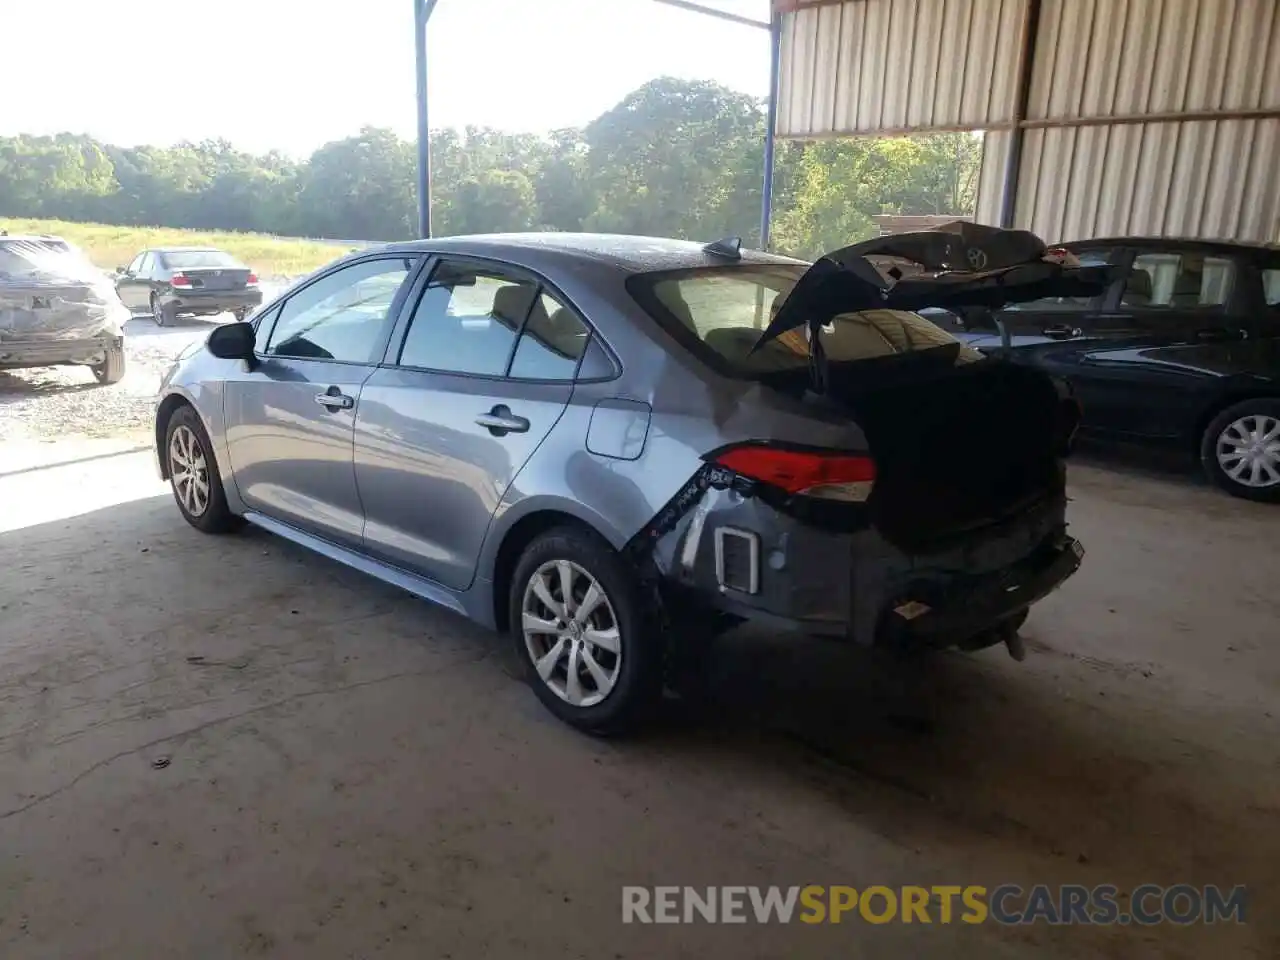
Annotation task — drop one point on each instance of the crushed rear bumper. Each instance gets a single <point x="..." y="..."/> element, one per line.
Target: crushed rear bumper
<point x="735" y="554"/>
<point x="16" y="354"/>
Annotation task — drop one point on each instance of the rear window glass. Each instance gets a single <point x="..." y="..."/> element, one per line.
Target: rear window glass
<point x="194" y="259"/>
<point x="1271" y="287"/>
<point x="720" y="312"/>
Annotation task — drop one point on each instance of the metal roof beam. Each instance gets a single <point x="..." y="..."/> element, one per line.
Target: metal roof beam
<point x="718" y="14"/>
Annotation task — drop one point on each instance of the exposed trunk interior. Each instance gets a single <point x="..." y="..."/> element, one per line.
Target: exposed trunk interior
<point x="956" y="447"/>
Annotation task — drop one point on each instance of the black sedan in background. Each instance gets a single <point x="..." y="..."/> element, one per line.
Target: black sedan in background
<point x="170" y="281"/>
<point x="1182" y="351"/>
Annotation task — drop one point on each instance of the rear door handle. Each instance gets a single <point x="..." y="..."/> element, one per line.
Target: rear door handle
<point x="500" y="421"/>
<point x="335" y="399"/>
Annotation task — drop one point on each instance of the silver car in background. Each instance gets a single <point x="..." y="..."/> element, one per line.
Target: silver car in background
<point x="580" y="439"/>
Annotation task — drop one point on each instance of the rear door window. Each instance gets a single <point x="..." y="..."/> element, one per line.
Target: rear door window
<point x="467" y="320"/>
<point x="1271" y="287"/>
<point x="551" y="344"/>
<point x="1179" y="280"/>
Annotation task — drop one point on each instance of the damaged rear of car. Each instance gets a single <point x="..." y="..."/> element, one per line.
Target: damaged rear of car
<point x="57" y="308"/>
<point x="941" y="517"/>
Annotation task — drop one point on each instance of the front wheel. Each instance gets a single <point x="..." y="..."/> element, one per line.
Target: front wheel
<point x="580" y="626"/>
<point x="193" y="474"/>
<point x="1240" y="450"/>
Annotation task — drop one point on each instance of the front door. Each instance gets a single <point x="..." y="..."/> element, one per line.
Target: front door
<point x="482" y="374"/>
<point x="290" y="419"/>
<point x="131" y="287"/>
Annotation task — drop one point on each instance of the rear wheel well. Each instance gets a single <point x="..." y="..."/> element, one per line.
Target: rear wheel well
<point x="164" y="413"/>
<point x="523" y="533"/>
<point x="1215" y="408"/>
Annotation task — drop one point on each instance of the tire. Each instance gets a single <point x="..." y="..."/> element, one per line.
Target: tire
<point x="1242" y="435"/>
<point x="158" y="313"/>
<point x="185" y="442"/>
<point x="239" y="315"/>
<point x="111" y="369"/>
<point x="620" y="620"/>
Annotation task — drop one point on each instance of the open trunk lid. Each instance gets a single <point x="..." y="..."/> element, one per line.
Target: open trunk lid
<point x="960" y="441"/>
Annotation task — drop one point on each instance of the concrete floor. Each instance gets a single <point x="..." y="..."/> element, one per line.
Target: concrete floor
<point x="224" y="747"/>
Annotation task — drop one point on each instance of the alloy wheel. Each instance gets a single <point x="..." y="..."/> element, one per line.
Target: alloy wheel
<point x="1248" y="450"/>
<point x="189" y="470"/>
<point x="571" y="633"/>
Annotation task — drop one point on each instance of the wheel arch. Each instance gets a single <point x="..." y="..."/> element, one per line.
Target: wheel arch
<point x="521" y="531"/>
<point x="1224" y="401"/>
<point x="167" y="407"/>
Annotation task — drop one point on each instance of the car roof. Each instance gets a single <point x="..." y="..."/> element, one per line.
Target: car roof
<point x="183" y="250"/>
<point x="1186" y="243"/>
<point x="630" y="254"/>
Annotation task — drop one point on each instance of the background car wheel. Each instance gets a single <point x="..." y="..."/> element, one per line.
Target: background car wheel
<point x="1240" y="450"/>
<point x="111" y="369"/>
<point x="239" y="315"/>
<point x="580" y="626"/>
<point x="193" y="474"/>
<point x="157" y="312"/>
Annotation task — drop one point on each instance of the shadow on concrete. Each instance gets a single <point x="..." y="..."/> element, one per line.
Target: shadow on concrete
<point x="1043" y="772"/>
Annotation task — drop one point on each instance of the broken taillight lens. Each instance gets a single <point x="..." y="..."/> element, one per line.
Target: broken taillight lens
<point x="827" y="475"/>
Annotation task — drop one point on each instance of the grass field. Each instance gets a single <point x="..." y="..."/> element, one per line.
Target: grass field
<point x="110" y="247"/>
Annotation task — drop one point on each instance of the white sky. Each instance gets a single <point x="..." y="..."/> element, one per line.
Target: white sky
<point x="293" y="74"/>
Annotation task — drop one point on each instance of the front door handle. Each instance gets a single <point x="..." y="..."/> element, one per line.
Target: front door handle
<point x="1061" y="331"/>
<point x="500" y="421"/>
<point x="335" y="399"/>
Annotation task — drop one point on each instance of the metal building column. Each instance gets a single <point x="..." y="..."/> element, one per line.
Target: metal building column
<point x="1013" y="157"/>
<point x="422" y="10"/>
<point x="771" y="123"/>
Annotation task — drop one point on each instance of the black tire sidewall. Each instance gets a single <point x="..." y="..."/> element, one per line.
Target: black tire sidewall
<point x="639" y="682"/>
<point x="1267" y="406"/>
<point x="217" y="517"/>
<point x="157" y="312"/>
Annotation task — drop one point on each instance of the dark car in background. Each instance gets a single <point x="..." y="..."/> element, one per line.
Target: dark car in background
<point x="1181" y="351"/>
<point x="170" y="281"/>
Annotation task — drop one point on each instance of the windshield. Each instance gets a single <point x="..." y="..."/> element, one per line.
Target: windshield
<point x="720" y="312"/>
<point x="195" y="259"/>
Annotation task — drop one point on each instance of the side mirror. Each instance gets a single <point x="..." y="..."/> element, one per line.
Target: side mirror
<point x="233" y="341"/>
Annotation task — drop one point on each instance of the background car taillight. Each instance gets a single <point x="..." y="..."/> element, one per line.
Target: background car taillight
<point x="251" y="280"/>
<point x="827" y="475"/>
<point x="179" y="279"/>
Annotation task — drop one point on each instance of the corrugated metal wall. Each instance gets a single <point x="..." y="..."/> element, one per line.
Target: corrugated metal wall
<point x="1143" y="116"/>
<point x="894" y="65"/>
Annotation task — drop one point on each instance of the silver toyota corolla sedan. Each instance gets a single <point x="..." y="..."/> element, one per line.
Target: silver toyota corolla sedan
<point x="613" y="446"/>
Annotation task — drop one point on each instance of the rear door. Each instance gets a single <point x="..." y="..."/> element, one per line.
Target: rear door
<point x="290" y="419"/>
<point x="1186" y="313"/>
<point x="472" y="383"/>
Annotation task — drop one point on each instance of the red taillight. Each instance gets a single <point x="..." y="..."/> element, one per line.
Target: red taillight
<point x="180" y="280"/>
<point x="251" y="280"/>
<point x="831" y="476"/>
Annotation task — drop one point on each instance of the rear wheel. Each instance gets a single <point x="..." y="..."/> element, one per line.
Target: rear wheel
<point x="1240" y="450"/>
<point x="580" y="625"/>
<point x="193" y="474"/>
<point x="158" y="313"/>
<point x="111" y="368"/>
